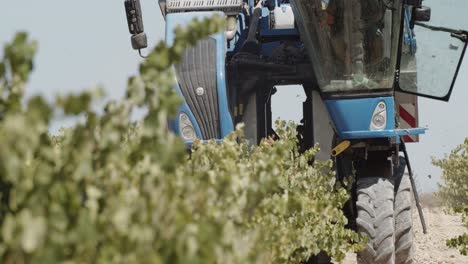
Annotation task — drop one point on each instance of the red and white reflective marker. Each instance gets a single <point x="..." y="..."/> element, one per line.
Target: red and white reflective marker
<point x="407" y="110"/>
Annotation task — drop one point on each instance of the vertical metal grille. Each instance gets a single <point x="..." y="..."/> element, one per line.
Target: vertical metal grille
<point x="196" y="74"/>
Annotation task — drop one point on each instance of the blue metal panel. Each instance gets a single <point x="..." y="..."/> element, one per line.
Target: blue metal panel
<point x="267" y="48"/>
<point x="352" y="118"/>
<point x="287" y="32"/>
<point x="174" y="124"/>
<point x="225" y="119"/>
<point x="382" y="133"/>
<point x="356" y="114"/>
<point x="182" y="19"/>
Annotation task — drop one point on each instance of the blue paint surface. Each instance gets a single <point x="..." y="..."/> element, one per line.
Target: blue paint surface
<point x="226" y="123"/>
<point x="184" y="108"/>
<point x="352" y="118"/>
<point x="382" y="133"/>
<point x="225" y="119"/>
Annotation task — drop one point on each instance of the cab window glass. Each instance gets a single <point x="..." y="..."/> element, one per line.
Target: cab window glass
<point x="353" y="44"/>
<point x="431" y="72"/>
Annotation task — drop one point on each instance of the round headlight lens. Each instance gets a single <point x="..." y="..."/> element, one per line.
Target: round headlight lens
<point x="378" y="121"/>
<point x="186" y="129"/>
<point x="188" y="133"/>
<point x="379" y="117"/>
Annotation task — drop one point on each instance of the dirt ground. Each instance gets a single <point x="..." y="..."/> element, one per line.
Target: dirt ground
<point x="431" y="248"/>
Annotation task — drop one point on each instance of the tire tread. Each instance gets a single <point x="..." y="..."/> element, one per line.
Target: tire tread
<point x="404" y="251"/>
<point x="375" y="205"/>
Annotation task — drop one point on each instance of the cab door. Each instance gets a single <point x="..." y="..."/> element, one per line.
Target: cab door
<point x="430" y="64"/>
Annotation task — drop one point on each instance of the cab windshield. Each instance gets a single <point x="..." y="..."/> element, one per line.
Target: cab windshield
<point x="353" y="44"/>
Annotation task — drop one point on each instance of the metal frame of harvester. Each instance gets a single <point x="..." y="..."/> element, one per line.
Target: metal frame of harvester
<point x="360" y="113"/>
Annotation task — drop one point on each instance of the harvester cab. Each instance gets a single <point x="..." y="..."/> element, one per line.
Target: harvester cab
<point x="359" y="62"/>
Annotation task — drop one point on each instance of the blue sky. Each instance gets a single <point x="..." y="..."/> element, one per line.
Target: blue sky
<point x="86" y="43"/>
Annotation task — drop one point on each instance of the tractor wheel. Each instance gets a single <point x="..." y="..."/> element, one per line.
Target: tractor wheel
<point x="404" y="252"/>
<point x="375" y="202"/>
<point x="321" y="258"/>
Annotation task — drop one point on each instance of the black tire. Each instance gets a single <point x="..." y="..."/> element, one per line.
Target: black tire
<point x="404" y="251"/>
<point x="321" y="258"/>
<point x="375" y="219"/>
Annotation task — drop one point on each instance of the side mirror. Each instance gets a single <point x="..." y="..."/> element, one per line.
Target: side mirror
<point x="421" y="14"/>
<point x="135" y="24"/>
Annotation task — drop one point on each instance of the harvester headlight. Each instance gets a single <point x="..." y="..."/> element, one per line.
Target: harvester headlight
<point x="186" y="129"/>
<point x="379" y="118"/>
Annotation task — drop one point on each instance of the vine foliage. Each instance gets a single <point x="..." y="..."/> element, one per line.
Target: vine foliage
<point x="112" y="190"/>
<point x="454" y="192"/>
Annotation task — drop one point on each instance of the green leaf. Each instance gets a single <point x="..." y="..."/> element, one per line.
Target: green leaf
<point x="114" y="190"/>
